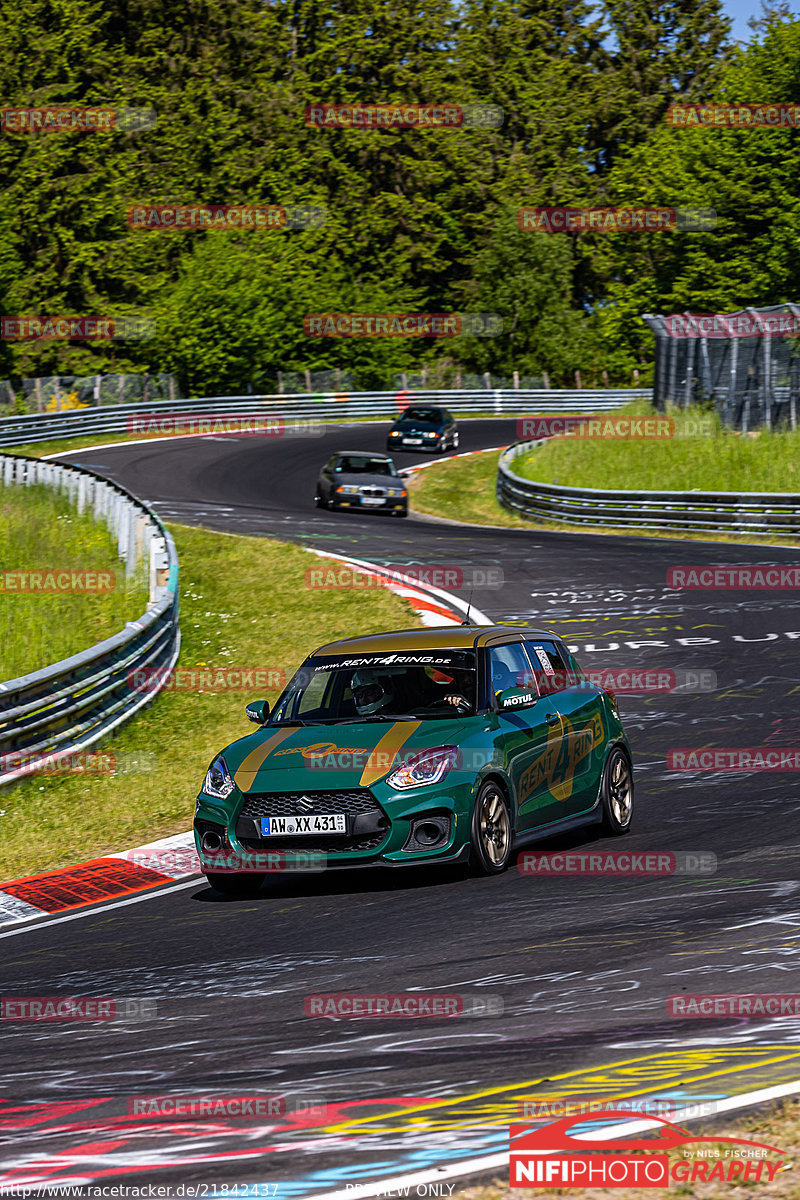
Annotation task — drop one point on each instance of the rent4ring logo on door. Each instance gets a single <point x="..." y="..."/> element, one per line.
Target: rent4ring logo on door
<point x="555" y="767"/>
<point x="552" y="1156"/>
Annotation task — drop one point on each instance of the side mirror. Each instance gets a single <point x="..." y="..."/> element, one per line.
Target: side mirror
<point x="257" y="712"/>
<point x="516" y="697"/>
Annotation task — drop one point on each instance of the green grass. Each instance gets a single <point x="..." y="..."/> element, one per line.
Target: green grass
<point x="702" y="455"/>
<point x="41" y="530"/>
<point x="244" y="604"/>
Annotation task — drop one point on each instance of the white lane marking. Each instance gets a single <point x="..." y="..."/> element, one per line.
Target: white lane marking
<point x="90" y="912"/>
<point x="493" y="1162"/>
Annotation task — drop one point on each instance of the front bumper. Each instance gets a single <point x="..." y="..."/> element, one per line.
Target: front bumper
<point x="385" y="828"/>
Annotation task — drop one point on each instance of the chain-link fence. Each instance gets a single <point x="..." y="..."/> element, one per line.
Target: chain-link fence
<point x="747" y="364"/>
<point x="63" y="393"/>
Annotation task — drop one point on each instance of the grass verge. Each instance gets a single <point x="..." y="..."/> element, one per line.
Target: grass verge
<point x="41" y="531"/>
<point x="778" y="1125"/>
<point x="244" y="604"/>
<point x="702" y="454"/>
<point x="463" y="489"/>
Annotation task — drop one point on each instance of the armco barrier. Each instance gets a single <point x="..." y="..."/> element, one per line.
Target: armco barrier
<point x="327" y="406"/>
<point x="67" y="706"/>
<point x="707" y="512"/>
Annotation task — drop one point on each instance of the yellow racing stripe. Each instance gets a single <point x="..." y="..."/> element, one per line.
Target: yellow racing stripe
<point x="247" y="772"/>
<point x="383" y="756"/>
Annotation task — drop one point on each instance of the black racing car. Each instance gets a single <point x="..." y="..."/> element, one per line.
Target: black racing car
<point x="424" y="427"/>
<point x="355" y="480"/>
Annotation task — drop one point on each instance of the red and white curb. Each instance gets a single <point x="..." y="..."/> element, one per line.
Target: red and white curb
<point x="449" y="458"/>
<point x="434" y="606"/>
<point x="106" y="878"/>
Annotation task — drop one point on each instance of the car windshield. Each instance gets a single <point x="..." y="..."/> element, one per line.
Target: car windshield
<point x="422" y="414"/>
<point x="429" y="684"/>
<point x="352" y="464"/>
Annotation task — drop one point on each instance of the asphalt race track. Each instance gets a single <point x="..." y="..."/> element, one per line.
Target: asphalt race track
<point x="583" y="965"/>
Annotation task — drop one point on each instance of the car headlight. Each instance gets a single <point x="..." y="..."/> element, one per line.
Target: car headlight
<point x="431" y="435"/>
<point x="428" y="767"/>
<point x="396" y="492"/>
<point x="350" y="489"/>
<point x="394" y="433"/>
<point x="218" y="780"/>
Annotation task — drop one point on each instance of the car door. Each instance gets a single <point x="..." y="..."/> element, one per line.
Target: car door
<point x="576" y="776"/>
<point x="529" y="733"/>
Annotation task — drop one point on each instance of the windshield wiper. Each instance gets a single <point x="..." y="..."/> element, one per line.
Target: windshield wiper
<point x="376" y="717"/>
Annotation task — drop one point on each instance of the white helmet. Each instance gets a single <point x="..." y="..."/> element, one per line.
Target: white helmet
<point x="369" y="693"/>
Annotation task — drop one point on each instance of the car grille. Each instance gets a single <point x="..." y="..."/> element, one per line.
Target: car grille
<point x="357" y="804"/>
<point x="287" y="804"/>
<point x="370" y="490"/>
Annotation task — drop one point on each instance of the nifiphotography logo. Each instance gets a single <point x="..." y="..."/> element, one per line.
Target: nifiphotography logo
<point x="553" y="1156"/>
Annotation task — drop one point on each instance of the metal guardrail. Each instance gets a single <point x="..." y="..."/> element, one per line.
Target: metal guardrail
<point x="70" y="705"/>
<point x="324" y="407"/>
<point x="716" y="512"/>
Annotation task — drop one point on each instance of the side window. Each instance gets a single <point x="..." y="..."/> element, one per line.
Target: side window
<point x="554" y="672"/>
<point x="512" y="682"/>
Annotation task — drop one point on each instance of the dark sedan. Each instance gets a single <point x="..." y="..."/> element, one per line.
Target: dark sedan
<point x="369" y="482"/>
<point x="424" y="427"/>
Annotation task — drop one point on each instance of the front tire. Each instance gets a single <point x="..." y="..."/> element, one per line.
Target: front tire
<point x="491" y="831"/>
<point x="616" y="796"/>
<point x="319" y="502"/>
<point x="235" y="885"/>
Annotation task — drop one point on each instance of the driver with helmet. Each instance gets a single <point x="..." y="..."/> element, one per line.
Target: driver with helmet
<point x="373" y="692"/>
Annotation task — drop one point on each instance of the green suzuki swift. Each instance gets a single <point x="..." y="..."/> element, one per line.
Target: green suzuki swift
<point x="422" y="746"/>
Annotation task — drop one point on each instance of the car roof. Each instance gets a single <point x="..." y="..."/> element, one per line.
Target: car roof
<point x="362" y="454"/>
<point x="450" y="637"/>
<point x="412" y="408"/>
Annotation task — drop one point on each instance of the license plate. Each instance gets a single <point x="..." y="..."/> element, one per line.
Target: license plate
<point x="373" y="500"/>
<point x="316" y="823"/>
<point x="412" y="441"/>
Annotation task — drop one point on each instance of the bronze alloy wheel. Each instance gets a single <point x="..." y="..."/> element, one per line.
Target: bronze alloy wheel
<point x="618" y="793"/>
<point x="491" y="830"/>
